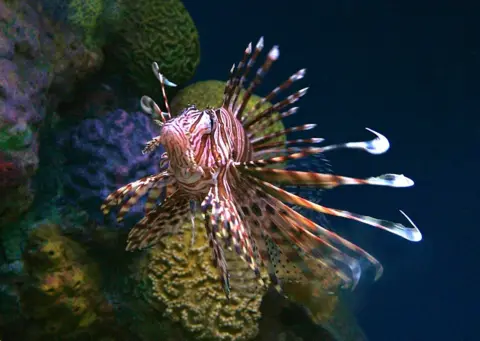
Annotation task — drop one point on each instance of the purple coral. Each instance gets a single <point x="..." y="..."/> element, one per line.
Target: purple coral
<point x="105" y="153"/>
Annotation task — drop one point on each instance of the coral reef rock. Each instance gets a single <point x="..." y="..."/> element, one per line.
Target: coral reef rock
<point x="180" y="280"/>
<point x="62" y="294"/>
<point x="102" y="154"/>
<point x="84" y="17"/>
<point x="36" y="57"/>
<point x="150" y="31"/>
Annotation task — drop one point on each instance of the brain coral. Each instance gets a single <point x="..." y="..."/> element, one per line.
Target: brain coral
<point x="103" y="154"/>
<point x="184" y="284"/>
<point x="210" y="93"/>
<point x="155" y="30"/>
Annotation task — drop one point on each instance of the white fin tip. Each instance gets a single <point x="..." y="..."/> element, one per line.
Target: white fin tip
<point x="259" y="44"/>
<point x="302" y="92"/>
<point x="274" y="53"/>
<point x="379" y="145"/>
<point x="299" y="74"/>
<point x="391" y="180"/>
<point x="414" y="235"/>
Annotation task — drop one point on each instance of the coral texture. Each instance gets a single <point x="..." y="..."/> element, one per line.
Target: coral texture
<point x="183" y="282"/>
<point x="105" y="153"/>
<point x="84" y="17"/>
<point x="63" y="291"/>
<point x="70" y="280"/>
<point x="159" y="31"/>
<point x="37" y="58"/>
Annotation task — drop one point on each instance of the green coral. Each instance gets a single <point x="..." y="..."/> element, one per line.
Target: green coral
<point x="86" y="16"/>
<point x="149" y="31"/>
<point x="210" y="94"/>
<point x="13" y="139"/>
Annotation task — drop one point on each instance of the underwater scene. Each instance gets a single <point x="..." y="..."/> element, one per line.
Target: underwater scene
<point x="202" y="171"/>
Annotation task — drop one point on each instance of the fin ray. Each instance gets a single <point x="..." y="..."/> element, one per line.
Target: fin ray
<point x="165" y="219"/>
<point x="409" y="233"/>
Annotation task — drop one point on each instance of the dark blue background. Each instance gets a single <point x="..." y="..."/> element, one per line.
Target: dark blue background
<point x="410" y="70"/>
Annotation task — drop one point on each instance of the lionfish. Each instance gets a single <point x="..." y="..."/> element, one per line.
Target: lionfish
<point x="218" y="161"/>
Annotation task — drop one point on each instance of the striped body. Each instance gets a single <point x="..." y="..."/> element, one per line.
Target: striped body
<point x="200" y="144"/>
<point x="216" y="158"/>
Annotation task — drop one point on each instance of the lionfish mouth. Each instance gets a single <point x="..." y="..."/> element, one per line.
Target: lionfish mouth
<point x="245" y="209"/>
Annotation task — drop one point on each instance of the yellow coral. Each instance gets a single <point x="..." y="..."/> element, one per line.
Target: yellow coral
<point x="48" y="249"/>
<point x="185" y="284"/>
<point x="319" y="303"/>
<point x="77" y="305"/>
<point x="87" y="319"/>
<point x="52" y="284"/>
<point x="80" y="279"/>
<point x="64" y="293"/>
<point x="54" y="252"/>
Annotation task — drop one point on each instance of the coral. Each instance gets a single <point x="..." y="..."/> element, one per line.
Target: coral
<point x="10" y="311"/>
<point x="13" y="202"/>
<point x="17" y="195"/>
<point x="84" y="17"/>
<point x="146" y="323"/>
<point x="48" y="249"/>
<point x="342" y="324"/>
<point x="86" y="14"/>
<point x="179" y="279"/>
<point x="15" y="140"/>
<point x="103" y="154"/>
<point x="210" y="93"/>
<point x="317" y="306"/>
<point x="319" y="303"/>
<point x="37" y="57"/>
<point x="284" y="320"/>
<point x="62" y="292"/>
<point x="159" y="31"/>
<point x="10" y="173"/>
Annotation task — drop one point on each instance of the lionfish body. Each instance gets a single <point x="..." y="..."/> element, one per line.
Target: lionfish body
<point x="214" y="157"/>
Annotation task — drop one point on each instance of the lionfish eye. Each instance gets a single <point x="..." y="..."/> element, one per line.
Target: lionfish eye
<point x="213" y="118"/>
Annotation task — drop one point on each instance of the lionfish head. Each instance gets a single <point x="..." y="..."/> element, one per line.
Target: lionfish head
<point x="192" y="122"/>
<point x="181" y="134"/>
